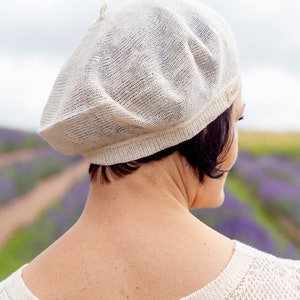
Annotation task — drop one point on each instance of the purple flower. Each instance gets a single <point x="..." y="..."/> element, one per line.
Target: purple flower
<point x="275" y="180"/>
<point x="249" y="232"/>
<point x="7" y="190"/>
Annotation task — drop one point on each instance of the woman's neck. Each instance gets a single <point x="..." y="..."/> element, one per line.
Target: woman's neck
<point x="164" y="184"/>
<point x="136" y="231"/>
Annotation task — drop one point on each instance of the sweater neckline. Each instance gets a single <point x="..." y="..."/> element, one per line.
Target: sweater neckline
<point x="223" y="285"/>
<point x="21" y="286"/>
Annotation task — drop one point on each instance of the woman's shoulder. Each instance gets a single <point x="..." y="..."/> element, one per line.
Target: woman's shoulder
<point x="13" y="287"/>
<point x="253" y="274"/>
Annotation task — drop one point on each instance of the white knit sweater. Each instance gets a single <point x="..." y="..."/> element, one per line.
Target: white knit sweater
<point x="250" y="274"/>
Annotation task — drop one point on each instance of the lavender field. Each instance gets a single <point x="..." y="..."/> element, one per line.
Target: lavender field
<point x="261" y="208"/>
<point x="11" y="139"/>
<point x="19" y="177"/>
<point x="262" y="204"/>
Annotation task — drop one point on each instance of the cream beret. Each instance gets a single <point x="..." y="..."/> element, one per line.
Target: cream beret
<point x="145" y="77"/>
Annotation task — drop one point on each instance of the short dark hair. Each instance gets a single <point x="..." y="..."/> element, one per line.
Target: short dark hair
<point x="205" y="152"/>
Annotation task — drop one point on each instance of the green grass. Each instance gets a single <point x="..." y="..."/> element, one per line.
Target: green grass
<point x="262" y="143"/>
<point x="17" y="251"/>
<point x="26" y="244"/>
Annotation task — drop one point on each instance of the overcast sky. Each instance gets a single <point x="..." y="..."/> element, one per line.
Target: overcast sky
<point x="37" y="36"/>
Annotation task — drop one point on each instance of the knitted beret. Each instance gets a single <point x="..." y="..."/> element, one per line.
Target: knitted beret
<point x="145" y="77"/>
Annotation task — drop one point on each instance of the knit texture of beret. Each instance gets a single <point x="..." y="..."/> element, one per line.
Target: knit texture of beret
<point x="148" y="76"/>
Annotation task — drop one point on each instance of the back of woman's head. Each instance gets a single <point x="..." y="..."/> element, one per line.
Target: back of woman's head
<point x="151" y="78"/>
<point x="204" y="152"/>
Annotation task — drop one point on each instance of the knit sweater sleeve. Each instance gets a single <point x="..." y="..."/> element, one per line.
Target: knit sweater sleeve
<point x="252" y="274"/>
<point x="14" y="288"/>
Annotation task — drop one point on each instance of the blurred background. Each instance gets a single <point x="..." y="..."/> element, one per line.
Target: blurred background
<point x="42" y="192"/>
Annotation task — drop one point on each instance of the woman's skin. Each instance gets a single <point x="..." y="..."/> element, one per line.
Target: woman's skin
<point x="136" y="238"/>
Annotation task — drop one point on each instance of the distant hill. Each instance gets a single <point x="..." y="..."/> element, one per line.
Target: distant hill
<point x="260" y="142"/>
<point x="12" y="139"/>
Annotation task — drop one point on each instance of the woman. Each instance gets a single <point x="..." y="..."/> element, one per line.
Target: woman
<point x="151" y="97"/>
